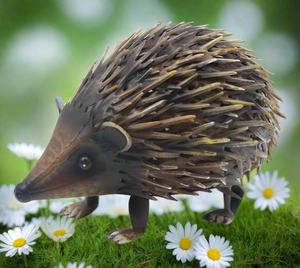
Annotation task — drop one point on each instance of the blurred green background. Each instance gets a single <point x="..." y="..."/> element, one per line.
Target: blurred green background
<point x="46" y="48"/>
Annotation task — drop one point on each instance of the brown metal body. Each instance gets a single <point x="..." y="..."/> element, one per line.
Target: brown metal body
<point x="173" y="110"/>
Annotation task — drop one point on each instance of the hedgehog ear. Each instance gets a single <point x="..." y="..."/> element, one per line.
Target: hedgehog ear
<point x="116" y="135"/>
<point x="59" y="104"/>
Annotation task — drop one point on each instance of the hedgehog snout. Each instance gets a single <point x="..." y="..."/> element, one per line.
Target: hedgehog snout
<point x="21" y="193"/>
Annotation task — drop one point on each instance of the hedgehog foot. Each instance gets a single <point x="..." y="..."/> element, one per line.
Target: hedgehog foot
<point x="138" y="211"/>
<point x="81" y="209"/>
<point x="223" y="216"/>
<point x="123" y="236"/>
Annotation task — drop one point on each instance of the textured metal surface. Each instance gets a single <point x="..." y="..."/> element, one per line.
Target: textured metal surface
<point x="196" y="106"/>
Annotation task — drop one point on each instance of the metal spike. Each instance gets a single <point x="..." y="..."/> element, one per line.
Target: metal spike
<point x="206" y="141"/>
<point x="196" y="153"/>
<point x="175" y="120"/>
<point x="223" y="109"/>
<point x="192" y="106"/>
<point x="127" y="93"/>
<point x="216" y="74"/>
<point x="144" y="112"/>
<point x="233" y="101"/>
<point x="212" y="98"/>
<point x="140" y="126"/>
<point x="155" y="135"/>
<point x="153" y="146"/>
<point x="150" y="153"/>
<point x="210" y="44"/>
<point x="239" y="144"/>
<point x="187" y="81"/>
<point x="159" y="80"/>
<point x="235" y="132"/>
<point x="195" y="92"/>
<point x="103" y="55"/>
<point x="109" y="90"/>
<point x="150" y="99"/>
<point x="202" y="128"/>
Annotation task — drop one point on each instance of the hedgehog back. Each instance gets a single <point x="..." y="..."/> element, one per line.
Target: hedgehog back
<point x="198" y="107"/>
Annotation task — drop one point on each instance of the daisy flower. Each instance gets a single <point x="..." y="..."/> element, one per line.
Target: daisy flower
<point x="19" y="240"/>
<point x="268" y="191"/>
<point x="113" y="206"/>
<point x="24" y="150"/>
<point x="57" y="204"/>
<point x="59" y="229"/>
<point x="38" y="221"/>
<point x="73" y="265"/>
<point x="214" y="254"/>
<point x="163" y="205"/>
<point x="12" y="212"/>
<point x="183" y="241"/>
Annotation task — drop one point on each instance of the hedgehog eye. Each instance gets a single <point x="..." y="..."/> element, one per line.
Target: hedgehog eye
<point x="84" y="163"/>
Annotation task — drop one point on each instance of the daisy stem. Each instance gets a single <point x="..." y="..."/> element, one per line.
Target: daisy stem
<point x="25" y="260"/>
<point x="47" y="207"/>
<point x="58" y="250"/>
<point x="29" y="164"/>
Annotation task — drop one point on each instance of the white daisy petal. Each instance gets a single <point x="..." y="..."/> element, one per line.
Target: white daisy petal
<point x="190" y="255"/>
<point x="217" y="264"/>
<point x="73" y="265"/>
<point x="173" y="230"/>
<point x="210" y="259"/>
<point x="253" y="195"/>
<point x="12" y="234"/>
<point x="187" y="229"/>
<point x="204" y="242"/>
<point x="15" y="240"/>
<point x="279" y="200"/>
<point x="197" y="235"/>
<point x="29" y="152"/>
<point x="212" y="241"/>
<point x="251" y="186"/>
<point x="11" y="252"/>
<point x="176" y="251"/>
<point x="274" y="175"/>
<point x="264" y="205"/>
<point x="58" y="229"/>
<point x="171" y="238"/>
<point x="180" y="230"/>
<point x="12" y="211"/>
<point x="4" y="239"/>
<point x="203" y="262"/>
<point x="228" y="251"/>
<point x="227" y="258"/>
<point x="183" y="241"/>
<point x="224" y="263"/>
<point x="268" y="190"/>
<point x="172" y="245"/>
<point x="193" y="231"/>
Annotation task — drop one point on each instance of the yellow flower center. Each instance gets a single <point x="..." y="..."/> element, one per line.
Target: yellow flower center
<point x="268" y="193"/>
<point x="20" y="242"/>
<point x="185" y="243"/>
<point x="59" y="233"/>
<point x="214" y="254"/>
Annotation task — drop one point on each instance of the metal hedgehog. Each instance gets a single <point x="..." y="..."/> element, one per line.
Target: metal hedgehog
<point x="173" y="110"/>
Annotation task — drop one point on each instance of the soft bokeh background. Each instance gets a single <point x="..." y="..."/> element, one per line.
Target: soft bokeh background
<point x="46" y="48"/>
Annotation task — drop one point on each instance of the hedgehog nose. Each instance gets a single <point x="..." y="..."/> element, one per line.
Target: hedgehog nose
<point x="22" y="193"/>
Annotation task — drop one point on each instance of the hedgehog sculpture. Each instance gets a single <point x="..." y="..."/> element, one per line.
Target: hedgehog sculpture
<point x="173" y="110"/>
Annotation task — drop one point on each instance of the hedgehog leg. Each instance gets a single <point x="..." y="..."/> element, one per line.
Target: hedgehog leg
<point x="138" y="211"/>
<point x="81" y="209"/>
<point x="233" y="194"/>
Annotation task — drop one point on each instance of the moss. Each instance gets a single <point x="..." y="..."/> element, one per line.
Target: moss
<point x="259" y="239"/>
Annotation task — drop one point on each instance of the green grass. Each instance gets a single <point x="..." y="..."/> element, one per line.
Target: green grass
<point x="259" y="239"/>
